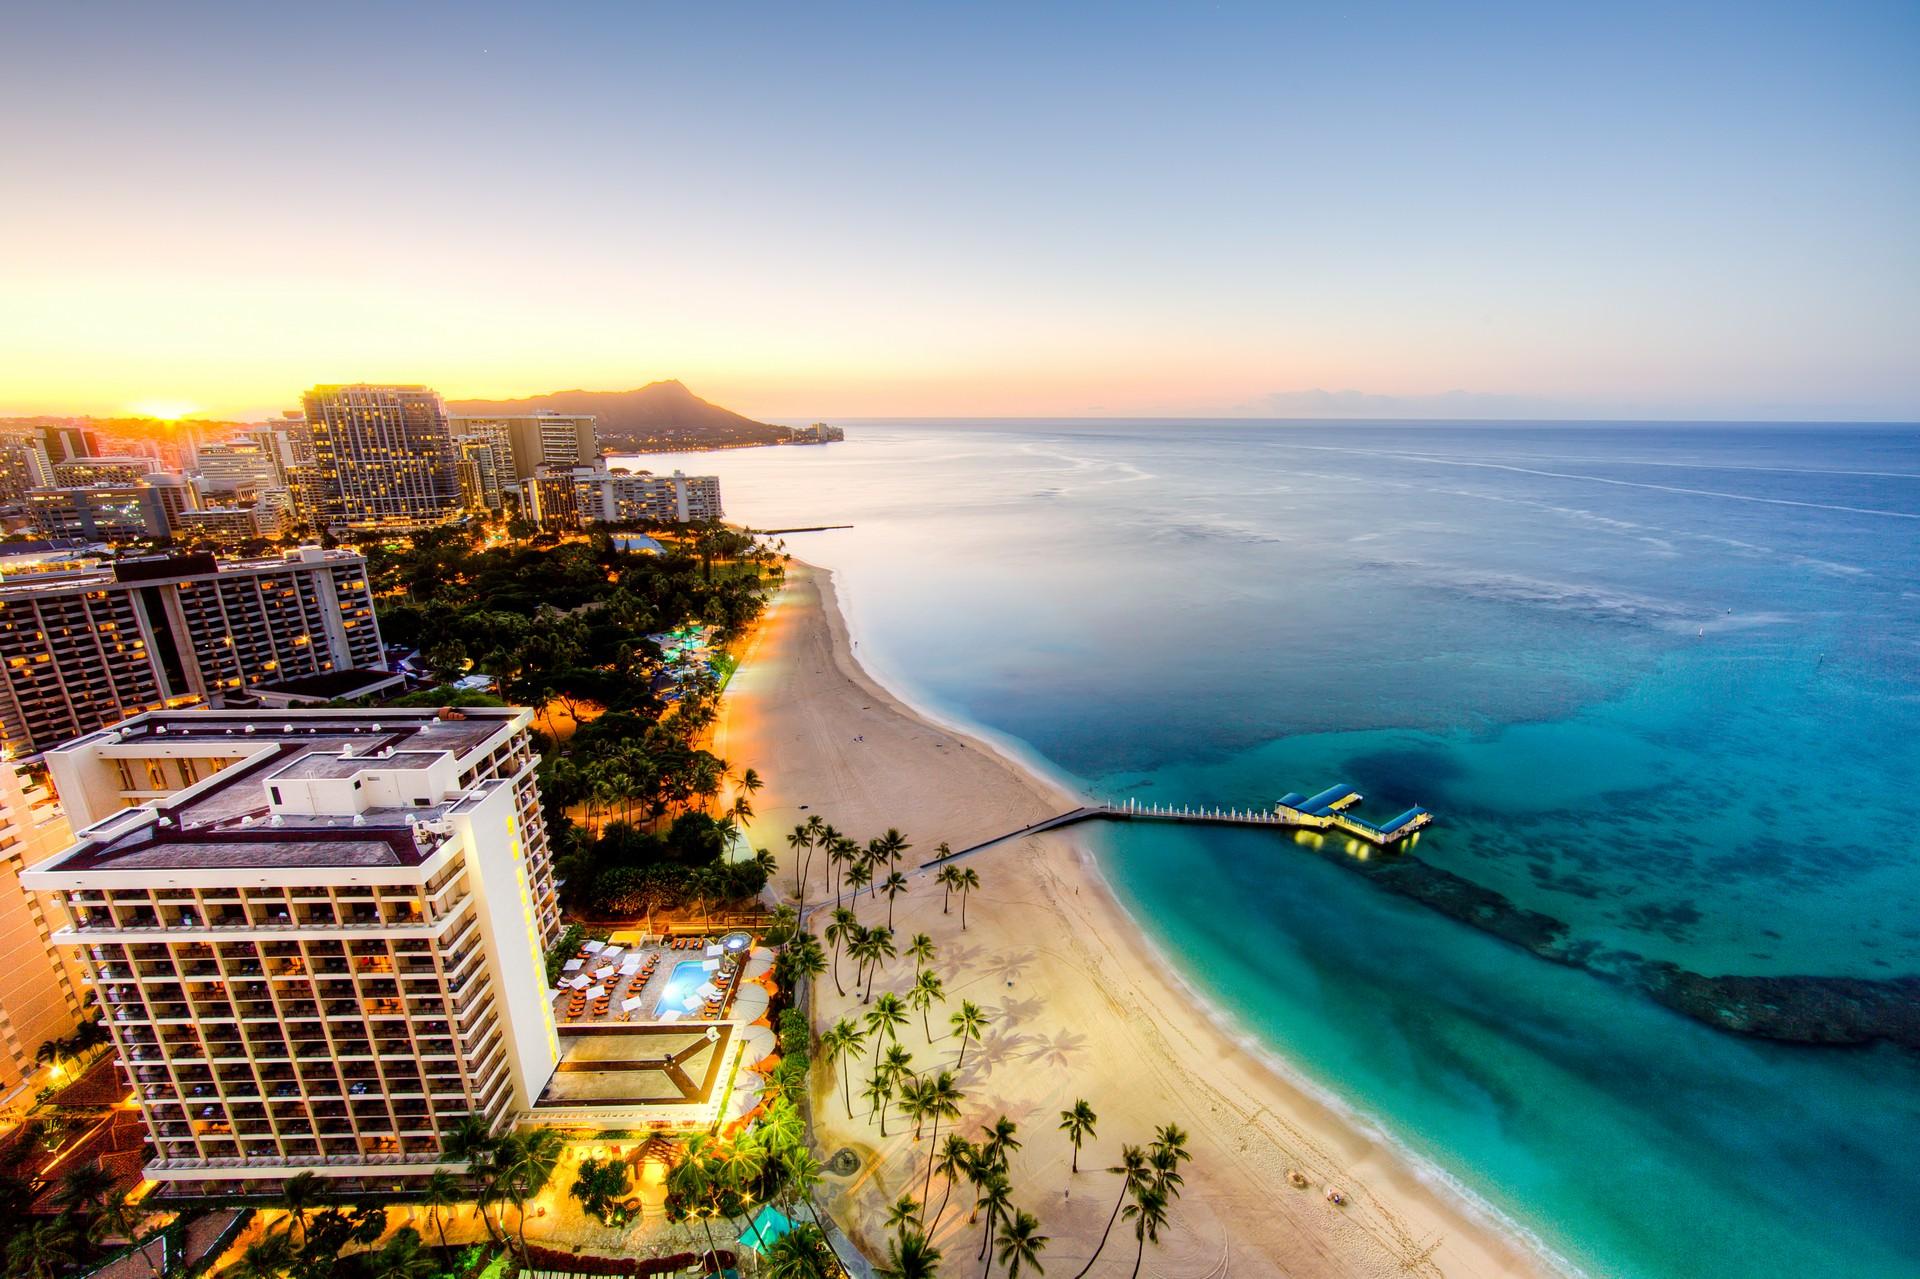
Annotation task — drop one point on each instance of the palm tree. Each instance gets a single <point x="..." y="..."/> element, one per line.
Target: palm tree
<point x="1078" y="1125"/>
<point x="955" y="1161"/>
<point x="996" y="1196"/>
<point x="876" y="947"/>
<point x="268" y="1257"/>
<point x="845" y="927"/>
<point x="926" y="989"/>
<point x="967" y="1023"/>
<point x="800" y="959"/>
<point x="599" y="1185"/>
<point x="1021" y="1244"/>
<point x="910" y="1256"/>
<point x="82" y="1187"/>
<point x="913" y="1101"/>
<point x="859" y="874"/>
<point x="966" y="881"/>
<point x="1000" y="1142"/>
<point x="948" y="877"/>
<point x="904" y="1213"/>
<point x="525" y="1162"/>
<point x="884" y="1020"/>
<point x="1147" y="1212"/>
<point x="840" y="1042"/>
<point x="895" y="884"/>
<point x="920" y="951"/>
<point x="800" y="840"/>
<point x="402" y="1257"/>
<point x="441" y="1190"/>
<point x="691" y="1182"/>
<point x="299" y="1196"/>
<point x="941" y="1101"/>
<point x="878" y="1093"/>
<point x="1134" y="1174"/>
<point x="798" y="1254"/>
<point x="120" y="1219"/>
<point x="470" y="1140"/>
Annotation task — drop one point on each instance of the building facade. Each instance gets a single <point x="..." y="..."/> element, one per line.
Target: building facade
<point x="319" y="936"/>
<point x="113" y="511"/>
<point x="523" y="443"/>
<point x="383" y="456"/>
<point x="565" y="497"/>
<point x="41" y="999"/>
<point x="82" y="650"/>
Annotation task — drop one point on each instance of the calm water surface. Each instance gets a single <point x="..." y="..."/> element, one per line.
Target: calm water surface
<point x="1660" y="682"/>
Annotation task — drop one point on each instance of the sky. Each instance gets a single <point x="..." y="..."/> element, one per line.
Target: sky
<point x="808" y="211"/>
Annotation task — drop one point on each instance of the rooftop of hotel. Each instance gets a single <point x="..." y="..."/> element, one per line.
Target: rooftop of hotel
<point x="227" y="821"/>
<point x="159" y="568"/>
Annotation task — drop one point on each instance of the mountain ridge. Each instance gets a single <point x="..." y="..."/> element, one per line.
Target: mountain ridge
<point x="659" y="415"/>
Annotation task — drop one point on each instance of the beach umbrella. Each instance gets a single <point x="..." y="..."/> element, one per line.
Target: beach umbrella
<point x="596" y="992"/>
<point x="740" y="1103"/>
<point x="707" y="990"/>
<point x="758" y="1042"/>
<point x="628" y="1005"/>
<point x="714" y="950"/>
<point x="750" y="1003"/>
<point x="709" y="965"/>
<point x="573" y="965"/>
<point x="760" y="962"/>
<point x="748" y="1084"/>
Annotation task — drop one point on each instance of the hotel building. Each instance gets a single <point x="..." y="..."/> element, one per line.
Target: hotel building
<point x="137" y="509"/>
<point x="40" y="998"/>
<point x="572" y="496"/>
<point x="524" y="443"/>
<point x="80" y="650"/>
<point x="383" y="458"/>
<point x="319" y="935"/>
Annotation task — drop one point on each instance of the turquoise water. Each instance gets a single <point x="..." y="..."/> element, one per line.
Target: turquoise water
<point x="1658" y="682"/>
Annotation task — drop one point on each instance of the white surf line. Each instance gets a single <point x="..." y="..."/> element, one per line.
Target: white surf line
<point x="1601" y="479"/>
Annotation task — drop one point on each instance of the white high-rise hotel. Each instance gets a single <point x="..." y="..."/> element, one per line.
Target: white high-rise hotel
<point x="319" y="936"/>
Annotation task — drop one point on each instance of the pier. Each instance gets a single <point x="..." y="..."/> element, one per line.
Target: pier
<point x="1323" y="812"/>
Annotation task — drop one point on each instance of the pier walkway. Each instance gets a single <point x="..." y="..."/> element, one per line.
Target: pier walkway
<point x="1325" y="811"/>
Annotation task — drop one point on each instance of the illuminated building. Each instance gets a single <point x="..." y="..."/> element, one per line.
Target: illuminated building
<point x="383" y="457"/>
<point x="319" y="935"/>
<point x="40" y="999"/>
<point x="524" y="443"/>
<point x="572" y="496"/>
<point x="82" y="650"/>
<point x="119" y="511"/>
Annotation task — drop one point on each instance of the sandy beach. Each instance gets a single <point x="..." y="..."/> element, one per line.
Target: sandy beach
<point x="1079" y="1005"/>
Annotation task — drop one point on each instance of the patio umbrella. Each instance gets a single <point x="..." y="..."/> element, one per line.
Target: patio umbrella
<point x="749" y="1003"/>
<point x="707" y="990"/>
<point x="573" y="965"/>
<point x="748" y="1084"/>
<point x="596" y="992"/>
<point x="759" y="1042"/>
<point x="740" y="1103"/>
<point x="760" y="963"/>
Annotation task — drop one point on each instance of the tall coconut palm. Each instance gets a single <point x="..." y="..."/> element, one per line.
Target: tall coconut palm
<point x="948" y="877"/>
<point x="439" y="1192"/>
<point x="927" y="990"/>
<point x="966" y="882"/>
<point x="884" y="1020"/>
<point x="996" y="1197"/>
<point x="894" y="884"/>
<point x="858" y="875"/>
<point x="268" y="1257"/>
<point x="801" y="1253"/>
<point x="910" y="1256"/>
<point x="1147" y="1212"/>
<point x="968" y="1023"/>
<point x="1021" y="1244"/>
<point x="841" y="1042"/>
<point x="904" y="1213"/>
<point x="941" y="1100"/>
<point x="1078" y="1123"/>
<point x="121" y="1219"/>
<point x="913" y="1102"/>
<point x="470" y="1140"/>
<point x="1135" y="1173"/>
<point x="691" y="1183"/>
<point x="844" y="927"/>
<point x="920" y="950"/>
<point x="878" y="948"/>
<point x="800" y="841"/>
<point x="954" y="1161"/>
<point x="81" y="1188"/>
<point x="299" y="1196"/>
<point x="878" y="1092"/>
<point x="401" y="1257"/>
<point x="1000" y="1142"/>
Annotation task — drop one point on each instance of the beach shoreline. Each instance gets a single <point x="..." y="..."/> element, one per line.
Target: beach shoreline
<point x="1083" y="1004"/>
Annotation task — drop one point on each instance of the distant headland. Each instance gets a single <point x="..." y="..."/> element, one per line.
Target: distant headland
<point x="657" y="417"/>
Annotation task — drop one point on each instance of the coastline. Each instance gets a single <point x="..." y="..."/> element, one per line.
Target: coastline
<point x="1082" y="1003"/>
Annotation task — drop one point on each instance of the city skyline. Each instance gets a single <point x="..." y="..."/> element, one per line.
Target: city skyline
<point x="1000" y="213"/>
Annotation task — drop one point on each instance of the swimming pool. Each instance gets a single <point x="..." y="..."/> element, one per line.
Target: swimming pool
<point x="686" y="977"/>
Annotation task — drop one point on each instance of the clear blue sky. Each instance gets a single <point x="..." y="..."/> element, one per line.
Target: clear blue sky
<point x="801" y="210"/>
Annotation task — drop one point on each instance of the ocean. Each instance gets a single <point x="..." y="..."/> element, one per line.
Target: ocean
<point x="1659" y="683"/>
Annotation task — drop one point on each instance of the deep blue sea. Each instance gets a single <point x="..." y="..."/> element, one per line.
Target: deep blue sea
<point x="1659" y="681"/>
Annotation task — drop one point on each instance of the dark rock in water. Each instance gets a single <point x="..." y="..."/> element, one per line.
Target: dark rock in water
<point x="1801" y="1010"/>
<point x="1793" y="1009"/>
